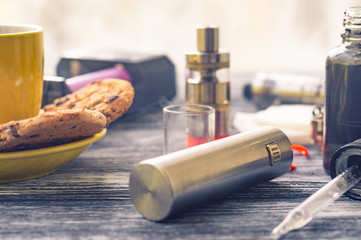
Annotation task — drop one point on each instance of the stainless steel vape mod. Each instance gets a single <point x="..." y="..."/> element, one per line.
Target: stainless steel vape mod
<point x="207" y="78"/>
<point x="165" y="185"/>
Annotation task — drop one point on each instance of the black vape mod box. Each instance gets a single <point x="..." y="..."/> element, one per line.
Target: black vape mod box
<point x="152" y="76"/>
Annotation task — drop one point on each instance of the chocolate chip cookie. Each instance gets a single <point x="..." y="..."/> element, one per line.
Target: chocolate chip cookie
<point x="111" y="97"/>
<point x="50" y="128"/>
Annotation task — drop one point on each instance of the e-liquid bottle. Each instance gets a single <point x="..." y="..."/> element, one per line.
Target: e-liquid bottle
<point x="207" y="77"/>
<point x="343" y="88"/>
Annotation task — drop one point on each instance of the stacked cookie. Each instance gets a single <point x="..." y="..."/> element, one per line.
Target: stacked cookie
<point x="70" y="118"/>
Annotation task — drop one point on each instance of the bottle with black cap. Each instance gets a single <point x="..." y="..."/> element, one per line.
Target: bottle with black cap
<point x="343" y="87"/>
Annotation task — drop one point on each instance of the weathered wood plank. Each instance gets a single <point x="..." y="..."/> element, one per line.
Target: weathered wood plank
<point x="88" y="198"/>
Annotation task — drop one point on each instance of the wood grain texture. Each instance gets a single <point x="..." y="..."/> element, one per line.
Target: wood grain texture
<point x="88" y="198"/>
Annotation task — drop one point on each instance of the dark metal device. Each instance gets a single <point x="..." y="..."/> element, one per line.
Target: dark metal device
<point x="152" y="76"/>
<point x="166" y="185"/>
<point x="53" y="88"/>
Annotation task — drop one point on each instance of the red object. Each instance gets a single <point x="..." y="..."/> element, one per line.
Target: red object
<point x="194" y="141"/>
<point x="300" y="149"/>
<point x="293" y="167"/>
<point x="220" y="137"/>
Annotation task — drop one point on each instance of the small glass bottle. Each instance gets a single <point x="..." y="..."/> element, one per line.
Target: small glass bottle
<point x="343" y="88"/>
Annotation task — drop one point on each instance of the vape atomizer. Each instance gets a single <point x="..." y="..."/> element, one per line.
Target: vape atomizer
<point x="207" y="79"/>
<point x="268" y="88"/>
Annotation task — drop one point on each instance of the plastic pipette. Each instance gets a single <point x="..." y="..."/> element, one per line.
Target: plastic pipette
<point x="304" y="213"/>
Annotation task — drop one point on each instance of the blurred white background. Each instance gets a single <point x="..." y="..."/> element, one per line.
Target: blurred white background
<point x="271" y="35"/>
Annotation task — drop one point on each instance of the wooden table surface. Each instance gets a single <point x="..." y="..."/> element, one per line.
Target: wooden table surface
<point x="88" y="198"/>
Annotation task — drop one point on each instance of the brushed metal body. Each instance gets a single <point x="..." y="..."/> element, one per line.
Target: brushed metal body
<point x="169" y="184"/>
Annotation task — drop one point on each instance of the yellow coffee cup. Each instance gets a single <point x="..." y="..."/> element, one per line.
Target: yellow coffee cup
<point x="21" y="71"/>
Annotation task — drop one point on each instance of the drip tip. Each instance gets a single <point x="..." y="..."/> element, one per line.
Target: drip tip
<point x="352" y="18"/>
<point x="207" y="38"/>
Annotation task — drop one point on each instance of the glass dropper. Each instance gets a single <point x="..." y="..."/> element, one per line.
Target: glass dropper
<point x="304" y="213"/>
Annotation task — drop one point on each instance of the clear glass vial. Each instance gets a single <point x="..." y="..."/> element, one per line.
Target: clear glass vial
<point x="343" y="88"/>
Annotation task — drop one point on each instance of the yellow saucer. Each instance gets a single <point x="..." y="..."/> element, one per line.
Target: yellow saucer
<point x="24" y="165"/>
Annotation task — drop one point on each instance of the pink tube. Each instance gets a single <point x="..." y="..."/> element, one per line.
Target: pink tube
<point x="75" y="83"/>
